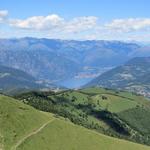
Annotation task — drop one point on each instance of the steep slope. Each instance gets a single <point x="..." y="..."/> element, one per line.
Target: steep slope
<point x="12" y="80"/>
<point x="133" y="76"/>
<point x="17" y="120"/>
<point x="22" y="127"/>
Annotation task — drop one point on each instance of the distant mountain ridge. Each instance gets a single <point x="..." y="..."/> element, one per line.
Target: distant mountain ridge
<point x="12" y="80"/>
<point x="133" y="76"/>
<point x="56" y="60"/>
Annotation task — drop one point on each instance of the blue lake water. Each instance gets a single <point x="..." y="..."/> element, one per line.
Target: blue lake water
<point x="75" y="82"/>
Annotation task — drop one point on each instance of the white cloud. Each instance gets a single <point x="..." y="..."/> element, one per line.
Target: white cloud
<point x="55" y="23"/>
<point x="38" y="22"/>
<point x="129" y="25"/>
<point x="3" y="15"/>
<point x="81" y="24"/>
<point x="84" y="27"/>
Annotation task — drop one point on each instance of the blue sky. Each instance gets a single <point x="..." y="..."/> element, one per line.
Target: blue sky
<point x="76" y="19"/>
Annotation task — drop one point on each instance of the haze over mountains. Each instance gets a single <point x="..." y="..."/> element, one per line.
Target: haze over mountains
<point x="59" y="60"/>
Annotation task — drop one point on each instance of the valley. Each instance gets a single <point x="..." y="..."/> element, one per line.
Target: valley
<point x="70" y="58"/>
<point x="94" y="106"/>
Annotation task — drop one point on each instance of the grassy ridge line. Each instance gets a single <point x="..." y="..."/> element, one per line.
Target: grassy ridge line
<point x="131" y="99"/>
<point x="31" y="134"/>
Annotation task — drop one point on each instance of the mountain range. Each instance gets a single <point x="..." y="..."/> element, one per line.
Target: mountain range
<point x="98" y="115"/>
<point x="132" y="76"/>
<point x="59" y="60"/>
<point x="12" y="80"/>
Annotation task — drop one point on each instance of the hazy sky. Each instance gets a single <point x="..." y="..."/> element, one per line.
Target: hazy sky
<point x="76" y="19"/>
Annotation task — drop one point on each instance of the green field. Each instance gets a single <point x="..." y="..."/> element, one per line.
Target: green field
<point x="17" y="120"/>
<point x="103" y="110"/>
<point x="114" y="103"/>
<point x="117" y="101"/>
<point x="25" y="128"/>
<point x="62" y="135"/>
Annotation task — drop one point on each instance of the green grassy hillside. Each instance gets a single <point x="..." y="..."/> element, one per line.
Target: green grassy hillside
<point x="24" y="128"/>
<point x="63" y="135"/>
<point x="116" y="101"/>
<point x="106" y="111"/>
<point x="17" y="120"/>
